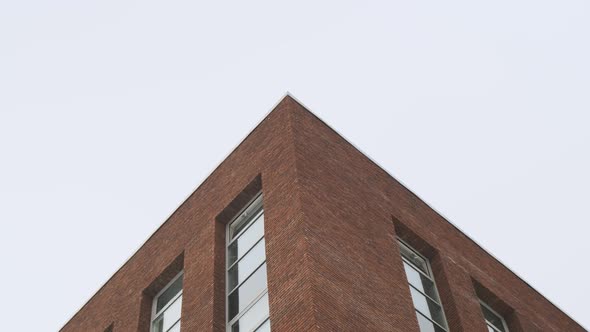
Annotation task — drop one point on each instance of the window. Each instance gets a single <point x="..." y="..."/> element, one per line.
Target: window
<point x="166" y="307"/>
<point x="429" y="312"/>
<point x="494" y="321"/>
<point x="247" y="292"/>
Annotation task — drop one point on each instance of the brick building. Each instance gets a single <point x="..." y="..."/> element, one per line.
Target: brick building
<point x="298" y="231"/>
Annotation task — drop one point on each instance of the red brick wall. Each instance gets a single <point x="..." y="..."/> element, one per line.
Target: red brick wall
<point x="331" y="219"/>
<point x="349" y="204"/>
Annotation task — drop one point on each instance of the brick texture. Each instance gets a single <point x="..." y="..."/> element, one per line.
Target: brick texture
<point x="331" y="221"/>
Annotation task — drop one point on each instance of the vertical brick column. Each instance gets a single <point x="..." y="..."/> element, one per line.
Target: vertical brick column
<point x="287" y="244"/>
<point x="198" y="284"/>
<point x="517" y="322"/>
<point x="458" y="296"/>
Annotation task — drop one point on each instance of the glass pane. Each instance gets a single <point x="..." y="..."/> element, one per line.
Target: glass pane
<point x="244" y="219"/>
<point x="175" y="328"/>
<point x="492" y="318"/>
<point x="427" y="307"/>
<point x="414" y="258"/>
<point x="253" y="317"/>
<point x="264" y="327"/>
<point x="421" y="282"/>
<point x="241" y="270"/>
<point x="169" y="294"/>
<point x="246" y="240"/>
<point x="158" y="325"/>
<point x="169" y="317"/>
<point x="250" y="289"/>
<point x="490" y="329"/>
<point x="426" y="325"/>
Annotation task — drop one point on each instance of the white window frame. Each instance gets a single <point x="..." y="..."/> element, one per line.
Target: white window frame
<point x="156" y="315"/>
<point x="255" y="206"/>
<point x="495" y="313"/>
<point x="430" y="276"/>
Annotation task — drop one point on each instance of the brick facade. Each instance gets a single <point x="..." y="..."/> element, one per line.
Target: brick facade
<point x="331" y="221"/>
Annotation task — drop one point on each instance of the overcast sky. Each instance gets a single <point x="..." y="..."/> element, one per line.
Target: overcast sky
<point x="112" y="112"/>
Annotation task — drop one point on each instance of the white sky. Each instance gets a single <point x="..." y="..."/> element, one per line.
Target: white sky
<point x="112" y="112"/>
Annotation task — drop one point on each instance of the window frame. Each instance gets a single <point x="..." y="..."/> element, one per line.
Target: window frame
<point x="155" y="315"/>
<point x="495" y="313"/>
<point x="249" y="213"/>
<point x="430" y="276"/>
